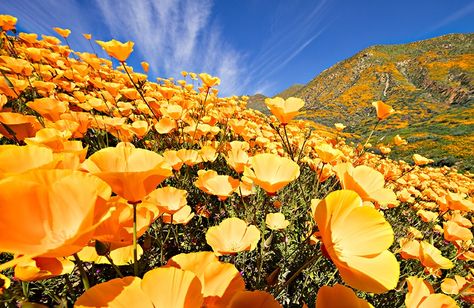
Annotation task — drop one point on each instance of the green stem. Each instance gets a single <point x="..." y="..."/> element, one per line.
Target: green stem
<point x="135" y="253"/>
<point x="116" y="268"/>
<point x="85" y="279"/>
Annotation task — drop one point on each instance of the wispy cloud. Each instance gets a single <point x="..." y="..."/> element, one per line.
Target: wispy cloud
<point x="174" y="36"/>
<point x="461" y="13"/>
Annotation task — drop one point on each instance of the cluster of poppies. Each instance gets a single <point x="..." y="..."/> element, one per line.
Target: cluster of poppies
<point x="97" y="164"/>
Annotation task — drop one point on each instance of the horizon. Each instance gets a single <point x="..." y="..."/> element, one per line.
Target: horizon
<point x="278" y="45"/>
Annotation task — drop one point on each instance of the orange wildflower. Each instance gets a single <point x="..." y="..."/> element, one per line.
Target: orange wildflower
<point x="367" y="182"/>
<point x="454" y="232"/>
<point x="272" y="172"/>
<point x="168" y="199"/>
<point x="87" y="36"/>
<point x="132" y="173"/>
<point x="254" y="299"/>
<point x="383" y="110"/>
<point x="118" y="50"/>
<point x="339" y="296"/>
<point x="181" y="217"/>
<point x="284" y="110"/>
<point x="357" y="237"/>
<point x="63" y="208"/>
<point x="431" y="258"/>
<point x="42" y="268"/>
<point x="421" y="295"/>
<point x="208" y="80"/>
<point x="420" y="160"/>
<point x="220" y="281"/>
<point x="232" y="235"/>
<point x="62" y="32"/>
<point x="212" y="183"/>
<point x="7" y="22"/>
<point x="276" y="221"/>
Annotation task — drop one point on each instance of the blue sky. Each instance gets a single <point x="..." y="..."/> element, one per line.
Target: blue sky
<point x="254" y="46"/>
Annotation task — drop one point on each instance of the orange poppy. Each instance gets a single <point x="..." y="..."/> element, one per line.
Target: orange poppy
<point x="18" y="159"/>
<point x="87" y="36"/>
<point x="357" y="237"/>
<point x="117" y="229"/>
<point x="42" y="268"/>
<point x="181" y="217"/>
<point x="220" y="281"/>
<point x="120" y="256"/>
<point x="421" y="295"/>
<point x="327" y="153"/>
<point x="284" y="110"/>
<point x="383" y="110"/>
<point x="7" y="22"/>
<point x="339" y="126"/>
<point x="118" y="50"/>
<point x="456" y="285"/>
<point x="454" y="232"/>
<point x="131" y="172"/>
<point x="272" y="172"/>
<point x="399" y="141"/>
<point x="212" y="183"/>
<point x="339" y="296"/>
<point x="63" y="32"/>
<point x="232" y="235"/>
<point x="208" y="80"/>
<point x="276" y="221"/>
<point x="431" y="258"/>
<point x="19" y="126"/>
<point x="254" y="299"/>
<point x="60" y="207"/>
<point x="367" y="182"/>
<point x="145" y="66"/>
<point x="168" y="199"/>
<point x="420" y="160"/>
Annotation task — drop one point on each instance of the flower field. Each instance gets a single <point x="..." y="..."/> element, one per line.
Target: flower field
<point x="116" y="191"/>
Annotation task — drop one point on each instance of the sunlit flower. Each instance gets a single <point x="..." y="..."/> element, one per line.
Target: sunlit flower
<point x="42" y="268"/>
<point x="232" y="235"/>
<point x="276" y="221"/>
<point x="220" y="281"/>
<point x="421" y="295"/>
<point x="383" y="110"/>
<point x="118" y="50"/>
<point x="284" y="110"/>
<point x="272" y="172"/>
<point x="62" y="32"/>
<point x="212" y="183"/>
<point x="168" y="199"/>
<point x="60" y="207"/>
<point x="420" y="160"/>
<point x="132" y="173"/>
<point x="357" y="237"/>
<point x="339" y="296"/>
<point x="7" y="22"/>
<point x="254" y="299"/>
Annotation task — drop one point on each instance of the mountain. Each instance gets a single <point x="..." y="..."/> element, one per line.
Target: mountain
<point x="430" y="83"/>
<point x="291" y="91"/>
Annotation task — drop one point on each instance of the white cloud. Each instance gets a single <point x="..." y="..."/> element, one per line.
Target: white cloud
<point x="174" y="36"/>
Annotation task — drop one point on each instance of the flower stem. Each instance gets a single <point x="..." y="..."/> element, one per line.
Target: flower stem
<point x="85" y="280"/>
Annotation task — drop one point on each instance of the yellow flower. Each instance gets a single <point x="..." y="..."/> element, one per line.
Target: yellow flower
<point x="118" y="50"/>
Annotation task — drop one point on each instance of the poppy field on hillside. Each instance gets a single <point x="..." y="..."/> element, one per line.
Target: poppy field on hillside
<point x="119" y="191"/>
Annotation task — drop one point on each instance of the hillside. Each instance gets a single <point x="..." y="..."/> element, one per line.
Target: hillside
<point x="430" y="82"/>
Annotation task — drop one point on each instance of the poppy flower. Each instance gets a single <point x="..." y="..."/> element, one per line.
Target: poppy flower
<point x="212" y="183"/>
<point x="339" y="126"/>
<point x="42" y="268"/>
<point x="117" y="229"/>
<point x="131" y="172"/>
<point x="454" y="232"/>
<point x="284" y="110"/>
<point x="208" y="80"/>
<point x="367" y="182"/>
<point x="232" y="235"/>
<point x="87" y="36"/>
<point x="7" y="22"/>
<point x="118" y="50"/>
<point x="60" y="207"/>
<point x="327" y="153"/>
<point x="145" y="66"/>
<point x="421" y="295"/>
<point x="4" y="283"/>
<point x="254" y="299"/>
<point x="62" y="32"/>
<point x="431" y="258"/>
<point x="19" y="126"/>
<point x="420" y="160"/>
<point x="220" y="281"/>
<point x="399" y="141"/>
<point x="339" y="296"/>
<point x="357" y="239"/>
<point x="272" y="172"/>
<point x="181" y="217"/>
<point x="120" y="256"/>
<point x="168" y="199"/>
<point x="383" y="110"/>
<point x="18" y="159"/>
<point x="276" y="221"/>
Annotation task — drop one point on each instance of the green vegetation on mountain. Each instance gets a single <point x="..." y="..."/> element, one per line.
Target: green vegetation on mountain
<point x="430" y="83"/>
